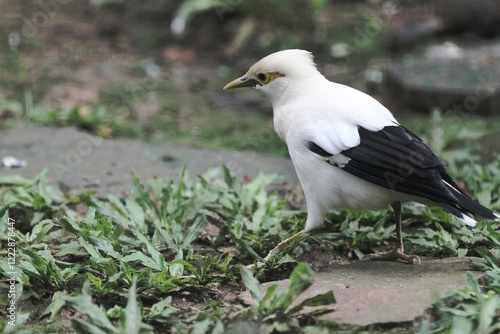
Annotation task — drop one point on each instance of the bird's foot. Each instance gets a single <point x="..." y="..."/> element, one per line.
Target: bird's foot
<point x="279" y="249"/>
<point x="255" y="266"/>
<point x="396" y="254"/>
<point x="285" y="243"/>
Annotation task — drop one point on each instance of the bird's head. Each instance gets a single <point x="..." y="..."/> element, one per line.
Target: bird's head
<point x="277" y="72"/>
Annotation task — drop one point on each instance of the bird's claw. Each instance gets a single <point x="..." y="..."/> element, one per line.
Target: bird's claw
<point x="255" y="266"/>
<point x="396" y="254"/>
<point x="278" y="250"/>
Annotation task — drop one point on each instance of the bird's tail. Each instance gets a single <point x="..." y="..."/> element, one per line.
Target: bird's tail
<point x="466" y="208"/>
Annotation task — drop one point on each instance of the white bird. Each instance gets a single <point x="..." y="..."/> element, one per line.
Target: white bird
<point x="349" y="151"/>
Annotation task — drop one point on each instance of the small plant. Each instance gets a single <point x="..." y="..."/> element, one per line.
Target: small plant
<point x="97" y="321"/>
<point x="275" y="311"/>
<point x="472" y="310"/>
<point x="92" y="252"/>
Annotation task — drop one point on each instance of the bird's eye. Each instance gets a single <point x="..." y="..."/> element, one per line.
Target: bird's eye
<point x="262" y="77"/>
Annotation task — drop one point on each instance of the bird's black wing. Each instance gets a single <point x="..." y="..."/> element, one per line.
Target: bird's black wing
<point x="397" y="159"/>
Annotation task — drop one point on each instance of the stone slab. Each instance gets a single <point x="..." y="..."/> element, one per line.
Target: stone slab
<point x="458" y="87"/>
<point x="81" y="162"/>
<point x="377" y="292"/>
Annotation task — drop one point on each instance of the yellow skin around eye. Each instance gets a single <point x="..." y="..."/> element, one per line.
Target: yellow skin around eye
<point x="271" y="76"/>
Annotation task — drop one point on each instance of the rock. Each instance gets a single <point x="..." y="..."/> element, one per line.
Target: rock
<point x="81" y="162"/>
<point x="410" y="25"/>
<point x="459" y="87"/>
<point x="378" y="292"/>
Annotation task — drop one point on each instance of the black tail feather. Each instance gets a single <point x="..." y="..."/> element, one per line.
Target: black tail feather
<point x="465" y="204"/>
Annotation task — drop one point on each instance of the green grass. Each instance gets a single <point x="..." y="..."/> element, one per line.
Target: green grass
<point x="118" y="263"/>
<point x="130" y="265"/>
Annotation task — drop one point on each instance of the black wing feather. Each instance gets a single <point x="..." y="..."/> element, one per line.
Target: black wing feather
<point x="397" y="159"/>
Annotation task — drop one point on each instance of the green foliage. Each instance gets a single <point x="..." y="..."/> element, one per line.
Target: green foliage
<point x="275" y="311"/>
<point x="150" y="241"/>
<point x="129" y="318"/>
<point x="29" y="201"/>
<point x="257" y="10"/>
<point x="126" y="263"/>
<point x="472" y="310"/>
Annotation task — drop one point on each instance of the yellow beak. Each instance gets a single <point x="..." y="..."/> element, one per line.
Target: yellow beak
<point x="242" y="82"/>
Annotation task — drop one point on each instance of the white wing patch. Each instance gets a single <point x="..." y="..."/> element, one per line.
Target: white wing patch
<point x="339" y="160"/>
<point x="343" y="137"/>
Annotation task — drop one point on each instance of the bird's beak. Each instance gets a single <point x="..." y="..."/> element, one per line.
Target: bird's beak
<point x="242" y="82"/>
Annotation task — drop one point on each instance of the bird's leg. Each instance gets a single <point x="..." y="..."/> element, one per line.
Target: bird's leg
<point x="282" y="245"/>
<point x="279" y="249"/>
<point x="398" y="252"/>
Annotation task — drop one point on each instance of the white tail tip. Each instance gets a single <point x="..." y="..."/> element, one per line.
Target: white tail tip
<point x="468" y="220"/>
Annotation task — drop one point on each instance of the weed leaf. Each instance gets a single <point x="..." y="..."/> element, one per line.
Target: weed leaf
<point x="252" y="284"/>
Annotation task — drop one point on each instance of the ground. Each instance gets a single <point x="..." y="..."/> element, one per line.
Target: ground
<point x="117" y="71"/>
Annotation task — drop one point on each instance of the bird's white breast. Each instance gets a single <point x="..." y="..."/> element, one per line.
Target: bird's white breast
<point x="329" y="115"/>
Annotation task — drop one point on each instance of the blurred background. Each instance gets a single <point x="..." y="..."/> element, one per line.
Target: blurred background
<point x="154" y="70"/>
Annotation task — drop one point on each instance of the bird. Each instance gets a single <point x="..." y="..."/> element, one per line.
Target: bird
<point x="349" y="152"/>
